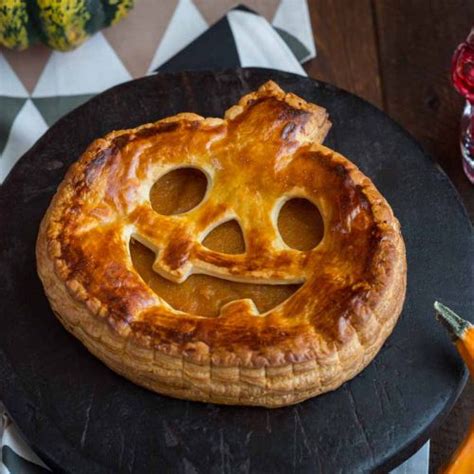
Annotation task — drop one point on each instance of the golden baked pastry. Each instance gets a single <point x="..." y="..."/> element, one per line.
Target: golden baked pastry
<point x="265" y="151"/>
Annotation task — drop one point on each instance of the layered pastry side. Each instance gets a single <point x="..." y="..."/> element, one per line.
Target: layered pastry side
<point x="234" y="260"/>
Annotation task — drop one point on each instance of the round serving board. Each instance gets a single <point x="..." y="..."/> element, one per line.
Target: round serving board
<point x="82" y="417"/>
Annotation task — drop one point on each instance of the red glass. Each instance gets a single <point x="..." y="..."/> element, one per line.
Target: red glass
<point x="462" y="74"/>
<point x="463" y="68"/>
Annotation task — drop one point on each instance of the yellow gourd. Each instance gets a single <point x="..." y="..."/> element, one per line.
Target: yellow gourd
<point x="60" y="24"/>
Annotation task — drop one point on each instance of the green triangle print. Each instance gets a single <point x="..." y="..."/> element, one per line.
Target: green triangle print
<point x="9" y="108"/>
<point x="53" y="108"/>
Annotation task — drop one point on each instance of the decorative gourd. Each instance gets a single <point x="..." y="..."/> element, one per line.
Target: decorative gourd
<point x="462" y="331"/>
<point x="60" y="24"/>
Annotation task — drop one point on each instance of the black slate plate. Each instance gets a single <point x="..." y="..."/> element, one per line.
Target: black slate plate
<point x="81" y="417"/>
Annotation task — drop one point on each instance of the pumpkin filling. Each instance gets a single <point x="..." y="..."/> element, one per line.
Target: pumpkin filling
<point x="299" y="222"/>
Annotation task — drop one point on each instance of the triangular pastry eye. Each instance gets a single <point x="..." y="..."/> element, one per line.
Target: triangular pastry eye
<point x="226" y="238"/>
<point x="300" y="224"/>
<point x="178" y="191"/>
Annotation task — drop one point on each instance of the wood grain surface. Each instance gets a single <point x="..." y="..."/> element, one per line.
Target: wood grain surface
<point x="397" y="55"/>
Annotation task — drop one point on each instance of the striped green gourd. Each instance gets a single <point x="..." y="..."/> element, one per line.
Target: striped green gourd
<point x="60" y="24"/>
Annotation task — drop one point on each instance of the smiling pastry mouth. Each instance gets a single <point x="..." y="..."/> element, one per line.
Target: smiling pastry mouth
<point x="203" y="294"/>
<point x="300" y="225"/>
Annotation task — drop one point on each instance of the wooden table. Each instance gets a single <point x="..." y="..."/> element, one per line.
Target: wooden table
<point x="397" y="55"/>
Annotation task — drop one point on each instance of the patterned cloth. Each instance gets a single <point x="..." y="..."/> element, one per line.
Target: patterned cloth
<point x="39" y="86"/>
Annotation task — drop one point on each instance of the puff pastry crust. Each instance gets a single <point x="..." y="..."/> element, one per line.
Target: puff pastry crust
<point x="266" y="149"/>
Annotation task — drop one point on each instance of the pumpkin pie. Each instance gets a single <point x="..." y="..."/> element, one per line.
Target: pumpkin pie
<point x="184" y="255"/>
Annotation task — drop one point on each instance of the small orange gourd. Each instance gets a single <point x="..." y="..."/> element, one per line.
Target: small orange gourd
<point x="462" y="331"/>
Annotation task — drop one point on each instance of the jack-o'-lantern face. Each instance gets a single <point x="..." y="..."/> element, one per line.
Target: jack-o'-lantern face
<point x="139" y="237"/>
<point x="299" y="225"/>
<point x="220" y="224"/>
